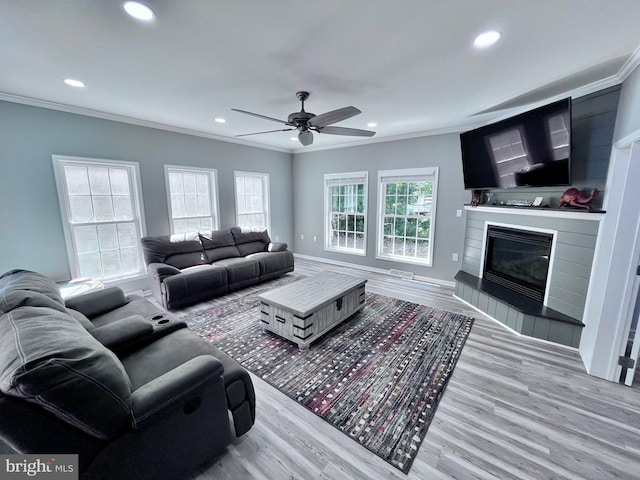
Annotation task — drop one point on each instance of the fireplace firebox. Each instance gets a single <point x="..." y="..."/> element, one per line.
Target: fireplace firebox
<point x="518" y="260"/>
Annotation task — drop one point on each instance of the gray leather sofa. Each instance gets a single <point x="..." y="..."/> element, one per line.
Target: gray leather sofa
<point x="192" y="267"/>
<point x="114" y="379"/>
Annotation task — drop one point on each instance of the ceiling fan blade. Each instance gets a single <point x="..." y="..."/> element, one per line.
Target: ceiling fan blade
<point x="346" y="131"/>
<point x="305" y="137"/>
<point x="261" y="116"/>
<point x="333" y="116"/>
<point x="268" y="131"/>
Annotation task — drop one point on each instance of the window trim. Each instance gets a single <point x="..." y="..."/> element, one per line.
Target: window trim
<point x="403" y="173"/>
<point x="213" y="192"/>
<point x="266" y="181"/>
<point x="65" y="209"/>
<point x="364" y="175"/>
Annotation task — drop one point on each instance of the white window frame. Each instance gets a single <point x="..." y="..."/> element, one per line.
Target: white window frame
<point x="407" y="175"/>
<point x="264" y="177"/>
<point x="135" y="186"/>
<point x="213" y="194"/>
<point x="336" y="179"/>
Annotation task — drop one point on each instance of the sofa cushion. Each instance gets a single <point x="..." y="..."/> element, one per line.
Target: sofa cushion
<point x="218" y="245"/>
<point x="49" y="358"/>
<point x="241" y="272"/>
<point x="180" y="250"/>
<point x="245" y="235"/>
<point x="249" y="241"/>
<point x="24" y="288"/>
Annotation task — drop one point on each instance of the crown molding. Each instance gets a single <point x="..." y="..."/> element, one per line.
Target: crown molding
<point x="627" y="68"/>
<point x="36" y="102"/>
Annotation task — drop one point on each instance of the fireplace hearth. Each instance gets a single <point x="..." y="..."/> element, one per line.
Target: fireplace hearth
<point x="518" y="260"/>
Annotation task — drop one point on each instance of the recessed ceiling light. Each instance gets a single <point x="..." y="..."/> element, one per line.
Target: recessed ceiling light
<point x="139" y="11"/>
<point x="487" y="39"/>
<point x="74" y="83"/>
<point x="219" y="120"/>
<point x="372" y="124"/>
<point x="294" y="139"/>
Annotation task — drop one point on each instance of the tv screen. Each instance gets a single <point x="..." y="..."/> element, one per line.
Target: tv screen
<point x="531" y="149"/>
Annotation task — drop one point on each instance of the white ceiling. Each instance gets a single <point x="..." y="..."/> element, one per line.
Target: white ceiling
<point x="409" y="65"/>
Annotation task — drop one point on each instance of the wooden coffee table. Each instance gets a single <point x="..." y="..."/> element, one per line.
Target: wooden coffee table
<point x="304" y="310"/>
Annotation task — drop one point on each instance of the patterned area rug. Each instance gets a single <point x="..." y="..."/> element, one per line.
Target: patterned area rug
<point x="377" y="377"/>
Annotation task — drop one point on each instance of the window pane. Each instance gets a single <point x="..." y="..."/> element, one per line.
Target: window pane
<point x="175" y="183"/>
<point x="86" y="239"/>
<point x="108" y="237"/>
<point x="99" y="181"/>
<point x="90" y="265"/>
<point x="119" y="181"/>
<point x="77" y="180"/>
<point x="191" y="205"/>
<point x="189" y="183"/>
<point x="102" y="208"/>
<point x="177" y="206"/>
<point x="122" y="208"/>
<point x="111" y="263"/>
<point x="181" y="225"/>
<point x="81" y="209"/>
<point x="130" y="260"/>
<point x="127" y="236"/>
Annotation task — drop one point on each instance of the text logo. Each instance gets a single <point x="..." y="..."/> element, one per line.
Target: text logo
<point x="50" y="467"/>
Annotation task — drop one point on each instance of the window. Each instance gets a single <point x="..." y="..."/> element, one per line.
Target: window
<point x="252" y="199"/>
<point x="558" y="131"/>
<point x="102" y="215"/>
<point x="192" y="199"/>
<point x="346" y="212"/>
<point x="406" y="214"/>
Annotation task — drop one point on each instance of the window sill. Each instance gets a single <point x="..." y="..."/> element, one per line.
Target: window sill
<point x="347" y="251"/>
<point x="411" y="261"/>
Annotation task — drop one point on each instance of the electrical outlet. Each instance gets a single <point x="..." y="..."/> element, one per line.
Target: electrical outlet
<point x="315" y="239"/>
<point x="454" y="257"/>
<point x="458" y="213"/>
<point x="277" y="238"/>
<point x="302" y="236"/>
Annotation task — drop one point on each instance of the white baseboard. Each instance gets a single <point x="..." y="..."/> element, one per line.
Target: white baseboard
<point x="416" y="278"/>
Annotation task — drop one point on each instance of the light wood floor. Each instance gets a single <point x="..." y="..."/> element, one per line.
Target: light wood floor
<point x="514" y="408"/>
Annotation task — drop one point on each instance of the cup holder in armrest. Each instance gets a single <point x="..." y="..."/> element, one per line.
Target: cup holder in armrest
<point x="160" y="319"/>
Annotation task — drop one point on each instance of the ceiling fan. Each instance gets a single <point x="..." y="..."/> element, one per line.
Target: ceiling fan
<point x="306" y="122"/>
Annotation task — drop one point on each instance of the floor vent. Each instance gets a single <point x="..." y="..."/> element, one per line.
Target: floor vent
<point x="401" y="274"/>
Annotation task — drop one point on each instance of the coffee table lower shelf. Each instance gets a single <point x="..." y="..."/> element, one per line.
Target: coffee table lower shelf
<point x="304" y="327"/>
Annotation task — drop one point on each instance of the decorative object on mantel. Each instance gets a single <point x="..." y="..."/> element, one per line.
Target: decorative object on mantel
<point x="475" y="197"/>
<point x="576" y="198"/>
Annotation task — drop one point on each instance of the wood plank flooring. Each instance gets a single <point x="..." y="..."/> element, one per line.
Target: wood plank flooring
<point x="515" y="408"/>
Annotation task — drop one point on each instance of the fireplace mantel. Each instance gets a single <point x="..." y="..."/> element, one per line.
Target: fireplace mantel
<point x="538" y="212"/>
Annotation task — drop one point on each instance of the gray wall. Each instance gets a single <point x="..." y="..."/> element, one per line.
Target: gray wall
<point x="30" y="222"/>
<point x="628" y="120"/>
<point x="308" y="195"/>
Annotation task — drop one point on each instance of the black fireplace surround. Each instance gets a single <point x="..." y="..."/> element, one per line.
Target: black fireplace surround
<point x="518" y="260"/>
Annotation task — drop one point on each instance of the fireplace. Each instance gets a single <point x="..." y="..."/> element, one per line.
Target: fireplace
<point x="518" y="260"/>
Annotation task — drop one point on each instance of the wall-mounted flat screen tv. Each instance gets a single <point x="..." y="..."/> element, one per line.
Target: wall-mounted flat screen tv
<point x="532" y="149"/>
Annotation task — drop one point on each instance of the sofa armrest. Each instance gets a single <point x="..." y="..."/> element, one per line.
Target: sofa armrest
<point x="167" y="392"/>
<point x="159" y="271"/>
<point x="277" y="247"/>
<point x="122" y="333"/>
<point x="96" y="303"/>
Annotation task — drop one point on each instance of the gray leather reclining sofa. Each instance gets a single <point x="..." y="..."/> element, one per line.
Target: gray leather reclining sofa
<point x="192" y="267"/>
<point x="114" y="379"/>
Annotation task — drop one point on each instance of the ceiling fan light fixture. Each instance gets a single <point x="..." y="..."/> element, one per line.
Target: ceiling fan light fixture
<point x="139" y="11"/>
<point x="487" y="39"/>
<point x="305" y="137"/>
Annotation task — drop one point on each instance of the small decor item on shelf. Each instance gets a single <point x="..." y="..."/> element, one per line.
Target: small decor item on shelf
<point x="475" y="197"/>
<point x="576" y="198"/>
